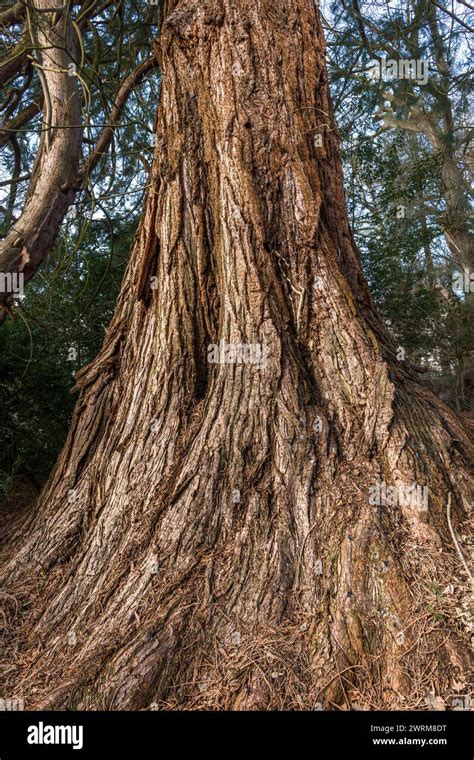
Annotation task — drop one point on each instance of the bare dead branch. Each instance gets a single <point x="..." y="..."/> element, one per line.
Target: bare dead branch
<point x="126" y="88"/>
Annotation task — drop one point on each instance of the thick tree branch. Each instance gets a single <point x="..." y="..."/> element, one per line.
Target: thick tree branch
<point x="12" y="65"/>
<point x="12" y="15"/>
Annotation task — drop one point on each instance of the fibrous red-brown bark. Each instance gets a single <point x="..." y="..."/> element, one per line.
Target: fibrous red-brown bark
<point x="207" y="538"/>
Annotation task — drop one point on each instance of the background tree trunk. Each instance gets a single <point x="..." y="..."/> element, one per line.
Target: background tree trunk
<point x="51" y="189"/>
<point x="207" y="537"/>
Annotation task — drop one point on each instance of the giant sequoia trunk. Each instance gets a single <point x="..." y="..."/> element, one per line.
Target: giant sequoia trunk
<point x="208" y="537"/>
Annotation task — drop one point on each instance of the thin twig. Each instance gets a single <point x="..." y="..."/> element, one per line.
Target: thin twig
<point x="455" y="540"/>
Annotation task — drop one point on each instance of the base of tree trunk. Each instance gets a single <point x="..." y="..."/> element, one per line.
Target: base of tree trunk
<point x="238" y="581"/>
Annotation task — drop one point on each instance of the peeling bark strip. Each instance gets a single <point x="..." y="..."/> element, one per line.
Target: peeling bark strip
<point x="50" y="190"/>
<point x="207" y="538"/>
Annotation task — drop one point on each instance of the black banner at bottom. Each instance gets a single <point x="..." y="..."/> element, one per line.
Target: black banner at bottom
<point x="139" y="734"/>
